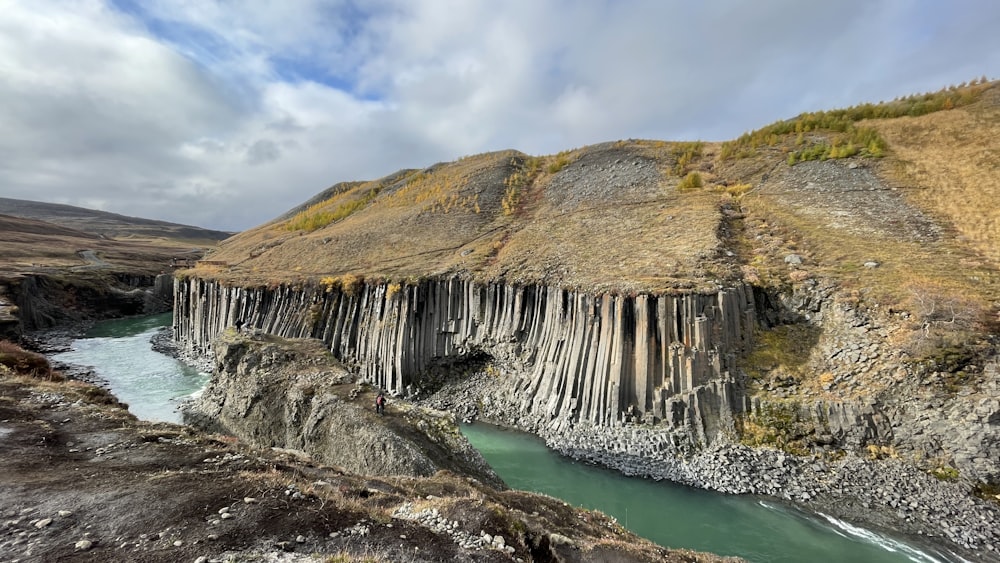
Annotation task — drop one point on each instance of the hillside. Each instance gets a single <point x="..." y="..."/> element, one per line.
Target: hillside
<point x="108" y="225"/>
<point x="33" y="246"/>
<point x="623" y="217"/>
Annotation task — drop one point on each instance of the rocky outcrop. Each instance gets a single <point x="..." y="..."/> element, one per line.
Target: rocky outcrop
<point x="568" y="357"/>
<point x="160" y="297"/>
<point x="569" y="360"/>
<point x="291" y="394"/>
<point x="872" y="394"/>
<point x="43" y="301"/>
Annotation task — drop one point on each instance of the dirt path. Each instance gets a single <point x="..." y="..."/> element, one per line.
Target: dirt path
<point x="94" y="262"/>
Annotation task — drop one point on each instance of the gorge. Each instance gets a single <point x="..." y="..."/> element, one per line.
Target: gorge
<point x="776" y="315"/>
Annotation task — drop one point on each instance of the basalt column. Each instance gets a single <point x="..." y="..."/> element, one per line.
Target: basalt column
<point x="570" y="356"/>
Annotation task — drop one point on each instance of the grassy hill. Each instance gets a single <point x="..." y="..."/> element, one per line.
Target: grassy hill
<point x="39" y="236"/>
<point x="906" y="184"/>
<point x="109" y="225"/>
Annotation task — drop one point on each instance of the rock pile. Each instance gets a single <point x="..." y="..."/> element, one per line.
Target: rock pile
<point x="432" y="519"/>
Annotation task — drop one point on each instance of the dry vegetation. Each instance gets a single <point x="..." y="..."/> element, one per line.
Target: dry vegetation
<point x="913" y="234"/>
<point x="31" y="245"/>
<point x="596" y="218"/>
<point x="494" y="216"/>
<point x="16" y="360"/>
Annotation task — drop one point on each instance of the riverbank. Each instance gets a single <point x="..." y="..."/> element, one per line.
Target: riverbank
<point x="81" y="479"/>
<point x="881" y="494"/>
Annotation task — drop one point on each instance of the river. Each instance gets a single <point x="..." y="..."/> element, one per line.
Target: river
<point x="672" y="515"/>
<point x="120" y="352"/>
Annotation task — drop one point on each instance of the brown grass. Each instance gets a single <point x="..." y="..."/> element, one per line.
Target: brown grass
<point x="19" y="361"/>
<point x="948" y="162"/>
<point x="487" y="215"/>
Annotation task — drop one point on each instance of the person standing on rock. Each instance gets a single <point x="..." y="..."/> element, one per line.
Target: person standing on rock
<point x="380" y="403"/>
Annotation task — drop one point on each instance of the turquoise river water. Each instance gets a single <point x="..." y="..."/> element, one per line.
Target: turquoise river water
<point x="756" y="529"/>
<point x="119" y="351"/>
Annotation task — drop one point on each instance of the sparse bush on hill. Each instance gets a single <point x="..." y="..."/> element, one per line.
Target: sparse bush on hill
<point x="736" y="190"/>
<point x="439" y="191"/>
<point x="686" y="153"/>
<point x="559" y="162"/>
<point x="944" y="326"/>
<point x="690" y="182"/>
<point x="849" y="139"/>
<point x="326" y="212"/>
<point x="518" y="181"/>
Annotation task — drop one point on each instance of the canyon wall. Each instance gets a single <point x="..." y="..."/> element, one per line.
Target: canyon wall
<point x="567" y="357"/>
<point x="32" y="302"/>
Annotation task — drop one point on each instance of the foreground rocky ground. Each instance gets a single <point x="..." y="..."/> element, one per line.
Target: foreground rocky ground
<point x="83" y="480"/>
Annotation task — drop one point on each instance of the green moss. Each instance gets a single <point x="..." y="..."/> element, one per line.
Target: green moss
<point x="782" y="351"/>
<point x="776" y="424"/>
<point x="988" y="491"/>
<point x="946" y="473"/>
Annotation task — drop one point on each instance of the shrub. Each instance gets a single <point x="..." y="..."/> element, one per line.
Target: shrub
<point x="945" y="473"/>
<point x="350" y="283"/>
<point x="321" y="214"/>
<point x="776" y="424"/>
<point x="521" y="178"/>
<point x="392" y="289"/>
<point x="737" y="190"/>
<point x="561" y="161"/>
<point x="690" y="182"/>
<point x="686" y="154"/>
<point x="23" y="362"/>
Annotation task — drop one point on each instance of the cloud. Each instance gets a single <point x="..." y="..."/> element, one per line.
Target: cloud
<point x="224" y="114"/>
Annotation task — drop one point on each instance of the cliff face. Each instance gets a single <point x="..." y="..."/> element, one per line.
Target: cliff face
<point x="567" y="357"/>
<point x="877" y="320"/>
<point x="41" y="301"/>
<point x="564" y="362"/>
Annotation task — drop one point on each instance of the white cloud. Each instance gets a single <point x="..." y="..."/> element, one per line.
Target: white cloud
<point x="224" y="113"/>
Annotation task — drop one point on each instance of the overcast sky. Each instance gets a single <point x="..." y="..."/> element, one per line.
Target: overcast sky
<point x="224" y="114"/>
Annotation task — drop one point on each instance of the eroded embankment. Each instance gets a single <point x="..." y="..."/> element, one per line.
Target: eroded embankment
<point x="32" y="302"/>
<point x="82" y="480"/>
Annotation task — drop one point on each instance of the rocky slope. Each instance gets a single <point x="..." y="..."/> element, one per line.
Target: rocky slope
<point x="293" y="395"/>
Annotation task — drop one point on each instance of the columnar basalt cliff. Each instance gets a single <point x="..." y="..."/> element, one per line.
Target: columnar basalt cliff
<point x="571" y="357"/>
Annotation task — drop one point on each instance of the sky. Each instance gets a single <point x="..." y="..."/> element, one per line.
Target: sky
<point x="224" y="114"/>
